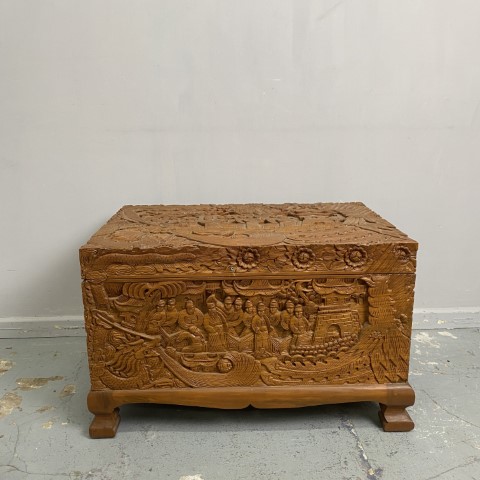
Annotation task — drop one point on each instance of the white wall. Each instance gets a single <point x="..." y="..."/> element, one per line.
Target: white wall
<point x="105" y="103"/>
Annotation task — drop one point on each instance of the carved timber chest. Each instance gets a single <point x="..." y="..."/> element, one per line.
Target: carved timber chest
<point x="233" y="305"/>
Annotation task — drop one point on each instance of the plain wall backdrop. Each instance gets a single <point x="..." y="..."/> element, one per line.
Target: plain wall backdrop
<point x="112" y="102"/>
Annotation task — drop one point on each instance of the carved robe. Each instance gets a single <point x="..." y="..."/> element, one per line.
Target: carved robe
<point x="214" y="324"/>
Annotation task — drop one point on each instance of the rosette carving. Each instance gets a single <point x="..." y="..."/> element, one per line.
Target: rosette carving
<point x="356" y="257"/>
<point x="248" y="258"/>
<point x="402" y="253"/>
<point x="303" y="258"/>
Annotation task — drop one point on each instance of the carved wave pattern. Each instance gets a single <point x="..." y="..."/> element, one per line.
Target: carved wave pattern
<point x="246" y="333"/>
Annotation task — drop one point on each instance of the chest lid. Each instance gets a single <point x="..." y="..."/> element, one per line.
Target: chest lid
<point x="246" y="240"/>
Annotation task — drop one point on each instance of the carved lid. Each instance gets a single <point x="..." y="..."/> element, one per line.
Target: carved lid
<point x="253" y="225"/>
<point x="256" y="237"/>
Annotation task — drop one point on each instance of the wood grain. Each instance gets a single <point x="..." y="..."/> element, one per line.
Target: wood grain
<point x="255" y="300"/>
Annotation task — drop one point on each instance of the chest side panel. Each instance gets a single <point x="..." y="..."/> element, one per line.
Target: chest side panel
<point x="226" y="332"/>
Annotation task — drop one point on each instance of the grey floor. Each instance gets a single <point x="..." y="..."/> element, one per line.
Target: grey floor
<point x="44" y="425"/>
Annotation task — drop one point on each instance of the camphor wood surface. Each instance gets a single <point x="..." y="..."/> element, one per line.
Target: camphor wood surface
<point x="235" y="305"/>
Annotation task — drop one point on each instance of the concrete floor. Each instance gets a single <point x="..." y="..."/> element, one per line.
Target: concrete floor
<point x="44" y="425"/>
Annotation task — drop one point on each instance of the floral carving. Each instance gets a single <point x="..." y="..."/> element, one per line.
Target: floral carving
<point x="402" y="253"/>
<point x="248" y="258"/>
<point x="355" y="257"/>
<point x="303" y="258"/>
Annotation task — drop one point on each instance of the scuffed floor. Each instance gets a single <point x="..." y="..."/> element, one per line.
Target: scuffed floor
<point x="44" y="425"/>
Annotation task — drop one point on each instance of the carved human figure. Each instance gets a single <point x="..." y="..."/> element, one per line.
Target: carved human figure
<point x="235" y="317"/>
<point x="157" y="318"/>
<point x="190" y="317"/>
<point x="227" y="306"/>
<point x="287" y="315"/>
<point x="261" y="328"/>
<point x="275" y="318"/>
<point x="171" y="315"/>
<point x="246" y="335"/>
<point x="300" y="328"/>
<point x="247" y="318"/>
<point x="215" y="325"/>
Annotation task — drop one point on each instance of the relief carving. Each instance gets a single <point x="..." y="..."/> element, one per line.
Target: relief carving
<point x="226" y="239"/>
<point x="251" y="225"/>
<point x="275" y="260"/>
<point x="248" y="332"/>
<point x="181" y="300"/>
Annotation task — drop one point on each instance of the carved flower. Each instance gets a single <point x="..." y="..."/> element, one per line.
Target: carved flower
<point x="355" y="257"/>
<point x="402" y="253"/>
<point x="303" y="257"/>
<point x="247" y="258"/>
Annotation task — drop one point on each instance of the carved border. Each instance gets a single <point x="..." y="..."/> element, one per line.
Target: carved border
<point x="281" y="260"/>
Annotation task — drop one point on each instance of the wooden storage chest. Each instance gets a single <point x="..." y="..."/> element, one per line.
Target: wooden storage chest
<point x="233" y="305"/>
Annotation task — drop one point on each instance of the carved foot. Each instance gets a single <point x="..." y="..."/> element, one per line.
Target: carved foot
<point x="105" y="425"/>
<point x="395" y="419"/>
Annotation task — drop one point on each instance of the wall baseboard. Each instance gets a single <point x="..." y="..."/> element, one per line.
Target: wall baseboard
<point x="42" y="327"/>
<point x="72" y="325"/>
<point x="446" y="318"/>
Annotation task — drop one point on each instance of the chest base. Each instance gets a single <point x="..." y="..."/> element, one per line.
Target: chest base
<point x="393" y="400"/>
